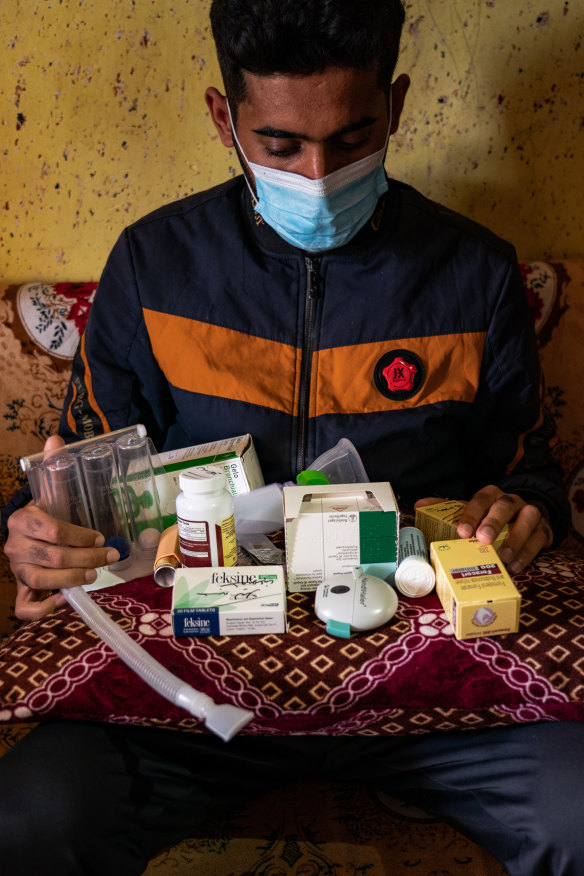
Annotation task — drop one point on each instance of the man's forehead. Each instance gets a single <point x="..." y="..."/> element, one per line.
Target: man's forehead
<point x="325" y="102"/>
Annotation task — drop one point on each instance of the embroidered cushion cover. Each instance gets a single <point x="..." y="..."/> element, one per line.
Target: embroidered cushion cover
<point x="411" y="675"/>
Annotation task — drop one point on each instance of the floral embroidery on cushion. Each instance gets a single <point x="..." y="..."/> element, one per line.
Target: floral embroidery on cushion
<point x="543" y="283"/>
<point x="55" y="316"/>
<point x="82" y="295"/>
<point x="541" y="287"/>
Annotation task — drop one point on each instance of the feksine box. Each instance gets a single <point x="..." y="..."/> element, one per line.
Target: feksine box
<point x="229" y="601"/>
<point x="332" y="528"/>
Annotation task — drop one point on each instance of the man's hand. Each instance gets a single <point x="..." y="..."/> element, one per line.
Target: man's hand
<point x="47" y="554"/>
<point x="486" y="514"/>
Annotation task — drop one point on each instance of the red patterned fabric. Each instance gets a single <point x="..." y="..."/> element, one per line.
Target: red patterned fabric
<point x="410" y="676"/>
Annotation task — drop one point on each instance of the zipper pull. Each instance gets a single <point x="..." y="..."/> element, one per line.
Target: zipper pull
<point x="312" y="266"/>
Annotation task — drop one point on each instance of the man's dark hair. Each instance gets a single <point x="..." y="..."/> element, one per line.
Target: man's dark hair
<point x="302" y="37"/>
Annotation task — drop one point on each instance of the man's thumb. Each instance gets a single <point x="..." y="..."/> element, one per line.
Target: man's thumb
<point x="53" y="442"/>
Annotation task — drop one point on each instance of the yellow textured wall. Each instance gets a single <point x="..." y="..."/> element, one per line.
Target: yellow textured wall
<point x="102" y="119"/>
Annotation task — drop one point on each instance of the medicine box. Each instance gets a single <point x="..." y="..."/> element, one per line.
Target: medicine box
<point x="438" y="522"/>
<point x="229" y="601"/>
<point x="236" y="456"/>
<point x="476" y="592"/>
<point x="332" y="528"/>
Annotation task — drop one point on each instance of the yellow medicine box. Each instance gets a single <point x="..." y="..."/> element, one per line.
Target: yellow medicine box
<point x="475" y="590"/>
<point x="438" y="522"/>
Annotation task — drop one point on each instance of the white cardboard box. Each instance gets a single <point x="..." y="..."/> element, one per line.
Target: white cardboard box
<point x="331" y="528"/>
<point x="229" y="601"/>
<point x="236" y="456"/>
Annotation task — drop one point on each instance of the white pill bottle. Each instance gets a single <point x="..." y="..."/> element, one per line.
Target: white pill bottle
<point x="204" y="512"/>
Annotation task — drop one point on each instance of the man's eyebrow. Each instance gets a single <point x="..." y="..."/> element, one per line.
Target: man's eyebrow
<point x="279" y="134"/>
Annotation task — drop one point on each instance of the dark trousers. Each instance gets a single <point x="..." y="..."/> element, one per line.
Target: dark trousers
<point x="92" y="799"/>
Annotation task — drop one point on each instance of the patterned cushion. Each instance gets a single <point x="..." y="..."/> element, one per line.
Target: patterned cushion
<point x="411" y="675"/>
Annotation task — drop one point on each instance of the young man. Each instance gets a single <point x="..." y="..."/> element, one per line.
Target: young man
<point x="306" y="300"/>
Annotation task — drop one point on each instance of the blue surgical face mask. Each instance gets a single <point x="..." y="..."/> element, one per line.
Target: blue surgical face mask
<point x="319" y="214"/>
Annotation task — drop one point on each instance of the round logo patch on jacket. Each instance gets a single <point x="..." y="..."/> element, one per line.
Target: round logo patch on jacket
<point x="399" y="374"/>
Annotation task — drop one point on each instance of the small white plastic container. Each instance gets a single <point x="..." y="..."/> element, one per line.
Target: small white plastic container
<point x="414" y="575"/>
<point x="204" y="511"/>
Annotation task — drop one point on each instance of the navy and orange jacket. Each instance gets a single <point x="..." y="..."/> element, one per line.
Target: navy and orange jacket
<point x="414" y="340"/>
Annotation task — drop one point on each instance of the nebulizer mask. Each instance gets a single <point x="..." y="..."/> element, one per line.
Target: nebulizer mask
<point x="318" y="214"/>
<point x="260" y="511"/>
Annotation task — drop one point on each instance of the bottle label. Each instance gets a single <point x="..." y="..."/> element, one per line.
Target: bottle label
<point x="195" y="544"/>
<point x="204" y="545"/>
<point x="411" y="544"/>
<point x="227" y="541"/>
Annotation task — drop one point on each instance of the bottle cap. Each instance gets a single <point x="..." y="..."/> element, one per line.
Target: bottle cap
<point x="415" y="577"/>
<point x="201" y="479"/>
<point x="311" y="476"/>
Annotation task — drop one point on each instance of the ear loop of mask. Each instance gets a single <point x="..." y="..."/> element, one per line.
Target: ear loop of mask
<point x="242" y="157"/>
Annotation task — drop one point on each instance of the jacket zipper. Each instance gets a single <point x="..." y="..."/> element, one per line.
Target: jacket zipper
<point x="312" y="294"/>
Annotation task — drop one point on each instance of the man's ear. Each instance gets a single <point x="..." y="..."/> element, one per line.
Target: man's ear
<point x="217" y="104"/>
<point x="399" y="89"/>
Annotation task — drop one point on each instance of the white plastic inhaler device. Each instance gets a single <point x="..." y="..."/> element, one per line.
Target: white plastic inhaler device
<point x="354" y="601"/>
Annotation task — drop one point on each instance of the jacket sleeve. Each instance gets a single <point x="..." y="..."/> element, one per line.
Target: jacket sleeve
<point x="512" y="436"/>
<point x="115" y="379"/>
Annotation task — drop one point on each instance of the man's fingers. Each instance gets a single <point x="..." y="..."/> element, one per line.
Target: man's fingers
<point x="517" y="560"/>
<point x="528" y="519"/>
<point x="36" y="524"/>
<point x="529" y="534"/>
<point x="53" y="442"/>
<point x="38" y="578"/>
<point x="31" y="605"/>
<point x="59" y="557"/>
<point x="487" y="512"/>
<point x="47" y="554"/>
<point x="485" y="515"/>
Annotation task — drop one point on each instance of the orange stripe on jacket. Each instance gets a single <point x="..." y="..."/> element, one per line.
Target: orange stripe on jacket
<point x="208" y="359"/>
<point x="342" y="377"/>
<point x="86" y="388"/>
<point x="70" y="418"/>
